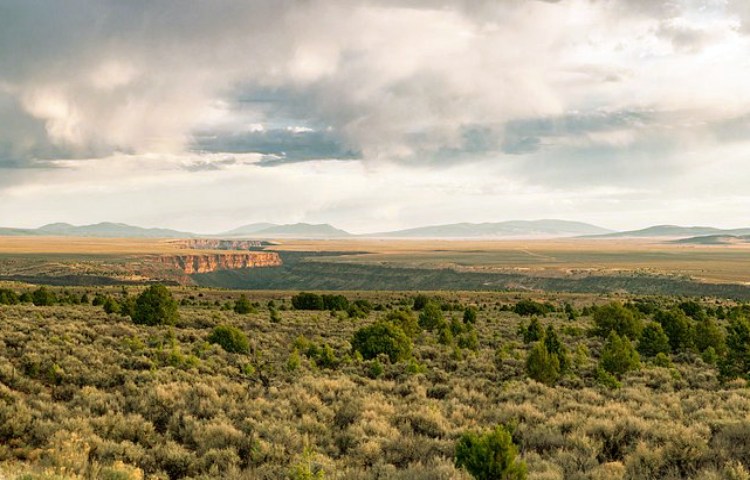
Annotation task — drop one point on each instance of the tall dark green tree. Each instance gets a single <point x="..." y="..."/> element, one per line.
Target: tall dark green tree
<point x="678" y="327"/>
<point x="614" y="317"/>
<point x="533" y="332"/>
<point x="653" y="341"/>
<point x="708" y="334"/>
<point x="619" y="356"/>
<point x="557" y="348"/>
<point x="736" y="363"/>
<point x="541" y="365"/>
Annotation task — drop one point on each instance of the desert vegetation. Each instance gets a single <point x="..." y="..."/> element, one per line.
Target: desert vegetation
<point x="175" y="383"/>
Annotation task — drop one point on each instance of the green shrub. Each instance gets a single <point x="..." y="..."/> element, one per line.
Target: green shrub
<point x="533" y="332"/>
<point x="406" y="320"/>
<point x="230" y="339"/>
<point x="541" y="365"/>
<point x="243" y="305"/>
<point x="111" y="306"/>
<point x="8" y="297"/>
<point x="662" y="360"/>
<point x="155" y="306"/>
<point x="653" y="340"/>
<point x="335" y="302"/>
<point x="614" y="317"/>
<point x="420" y="301"/>
<point x="431" y="317"/>
<point x="618" y="356"/>
<point x="308" y="301"/>
<point x="606" y="379"/>
<point x="491" y="456"/>
<point x="382" y="338"/>
<point x="470" y="315"/>
<point x="43" y="297"/>
<point x="527" y="308"/>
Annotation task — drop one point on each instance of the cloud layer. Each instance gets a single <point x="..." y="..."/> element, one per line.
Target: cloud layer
<point x="571" y="98"/>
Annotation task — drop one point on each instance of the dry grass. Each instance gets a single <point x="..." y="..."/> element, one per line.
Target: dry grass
<point x="723" y="263"/>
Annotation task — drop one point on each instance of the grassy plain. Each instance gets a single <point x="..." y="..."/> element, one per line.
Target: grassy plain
<point x="638" y="266"/>
<point x="722" y="263"/>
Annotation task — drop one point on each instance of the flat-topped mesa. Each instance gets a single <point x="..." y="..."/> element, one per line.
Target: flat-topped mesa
<point x="211" y="262"/>
<point x="217" y="244"/>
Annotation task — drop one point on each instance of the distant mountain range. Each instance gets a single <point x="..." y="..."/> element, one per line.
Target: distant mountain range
<point x="675" y="231"/>
<point x="102" y="230"/>
<point x="295" y="230"/>
<point x="509" y="230"/>
<point x="516" y="228"/>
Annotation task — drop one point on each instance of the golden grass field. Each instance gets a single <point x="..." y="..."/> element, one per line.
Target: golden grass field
<point x="716" y="263"/>
<point x="713" y="263"/>
<point x="92" y="246"/>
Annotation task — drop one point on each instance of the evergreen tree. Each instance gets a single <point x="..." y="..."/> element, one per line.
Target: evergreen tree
<point x="736" y="363"/>
<point x="708" y="334"/>
<point x="155" y="306"/>
<point x="533" y="332"/>
<point x="618" y="356"/>
<point x="678" y="327"/>
<point x="653" y="341"/>
<point x="470" y="315"/>
<point x="614" y="317"/>
<point x="541" y="365"/>
<point x="243" y="305"/>
<point x="43" y="297"/>
<point x="555" y="347"/>
<point x="431" y="317"/>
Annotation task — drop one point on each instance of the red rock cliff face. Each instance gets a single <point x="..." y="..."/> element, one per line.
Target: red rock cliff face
<point x="211" y="262"/>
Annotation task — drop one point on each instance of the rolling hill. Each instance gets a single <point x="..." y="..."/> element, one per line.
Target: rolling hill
<point x="247" y="229"/>
<point x="302" y="230"/>
<point x="714" y="240"/>
<point x="103" y="230"/>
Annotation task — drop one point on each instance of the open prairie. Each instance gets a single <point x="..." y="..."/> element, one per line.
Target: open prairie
<point x="89" y="246"/>
<point x="579" y="265"/>
<point x="724" y="263"/>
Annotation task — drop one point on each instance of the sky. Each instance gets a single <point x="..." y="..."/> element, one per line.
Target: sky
<point x="374" y="115"/>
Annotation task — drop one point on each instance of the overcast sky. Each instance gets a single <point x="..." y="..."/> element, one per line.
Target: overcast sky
<point x="374" y="114"/>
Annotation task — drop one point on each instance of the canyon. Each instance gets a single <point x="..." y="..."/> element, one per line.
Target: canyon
<point x="193" y="263"/>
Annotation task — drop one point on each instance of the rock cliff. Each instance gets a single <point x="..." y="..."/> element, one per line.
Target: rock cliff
<point x="211" y="262"/>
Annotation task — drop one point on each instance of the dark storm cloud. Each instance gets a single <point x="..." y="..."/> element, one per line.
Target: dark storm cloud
<point x="282" y="145"/>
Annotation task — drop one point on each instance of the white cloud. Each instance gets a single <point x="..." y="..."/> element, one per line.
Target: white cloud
<point x="442" y="101"/>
